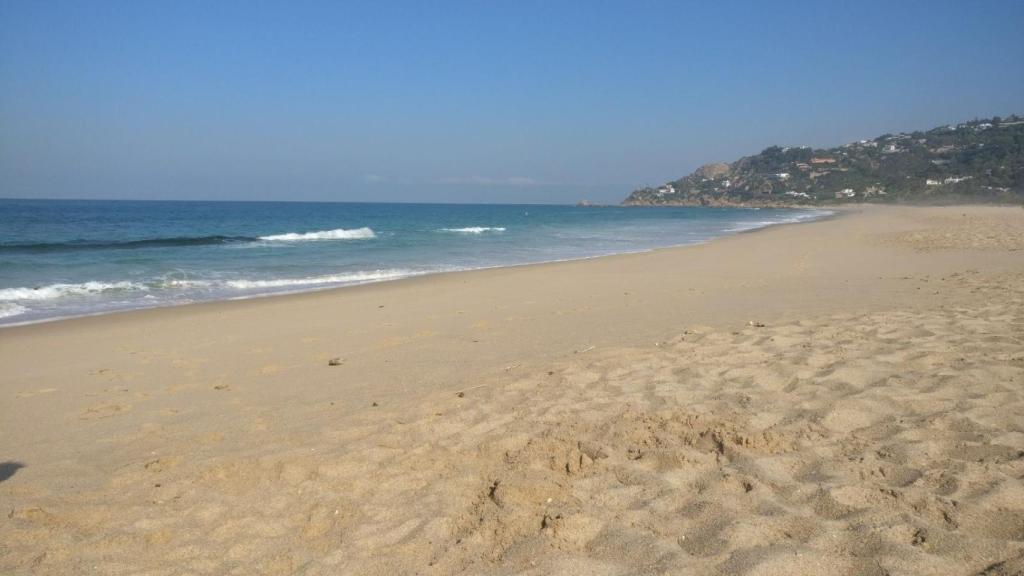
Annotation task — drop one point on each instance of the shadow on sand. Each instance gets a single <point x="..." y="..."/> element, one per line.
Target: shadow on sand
<point x="7" y="469"/>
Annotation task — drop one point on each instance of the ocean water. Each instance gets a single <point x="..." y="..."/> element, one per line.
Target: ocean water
<point x="61" y="258"/>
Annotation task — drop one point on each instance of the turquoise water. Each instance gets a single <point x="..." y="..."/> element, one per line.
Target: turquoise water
<point x="61" y="258"/>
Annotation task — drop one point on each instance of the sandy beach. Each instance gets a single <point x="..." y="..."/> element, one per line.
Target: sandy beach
<point x="836" y="397"/>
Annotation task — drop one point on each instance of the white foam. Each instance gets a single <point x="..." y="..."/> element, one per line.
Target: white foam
<point x="352" y="278"/>
<point x="473" y="229"/>
<point x="753" y="225"/>
<point x="9" y="309"/>
<point x="60" y="290"/>
<point x="9" y="297"/>
<point x="800" y="217"/>
<point x="338" y="234"/>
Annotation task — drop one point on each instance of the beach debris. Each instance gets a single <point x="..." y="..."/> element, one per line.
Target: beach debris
<point x="334" y="362"/>
<point x="222" y="387"/>
<point x="756" y="324"/>
<point x="460" y="394"/>
<point x="587" y="349"/>
<point x="374" y="404"/>
<point x="512" y="367"/>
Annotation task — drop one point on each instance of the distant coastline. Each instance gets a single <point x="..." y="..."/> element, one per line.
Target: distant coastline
<point x="976" y="162"/>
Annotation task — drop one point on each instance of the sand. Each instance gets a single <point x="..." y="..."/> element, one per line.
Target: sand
<point x="837" y="397"/>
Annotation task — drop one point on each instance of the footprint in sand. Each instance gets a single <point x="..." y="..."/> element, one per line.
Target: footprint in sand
<point x="161" y="464"/>
<point x="112" y="375"/>
<point x="103" y="411"/>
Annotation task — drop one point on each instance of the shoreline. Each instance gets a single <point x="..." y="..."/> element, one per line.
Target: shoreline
<point x="840" y="397"/>
<point x="832" y="213"/>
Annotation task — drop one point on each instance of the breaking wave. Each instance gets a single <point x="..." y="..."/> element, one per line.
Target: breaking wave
<point x="183" y="241"/>
<point x="60" y="290"/>
<point x="11" y="309"/>
<point x="9" y="296"/>
<point x="338" y="234"/>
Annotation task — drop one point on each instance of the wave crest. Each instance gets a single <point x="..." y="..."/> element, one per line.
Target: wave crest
<point x="125" y="244"/>
<point x="181" y="241"/>
<point x="337" y="234"/>
<point x="59" y="290"/>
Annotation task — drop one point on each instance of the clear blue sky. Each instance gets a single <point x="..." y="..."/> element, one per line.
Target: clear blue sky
<point x="469" y="101"/>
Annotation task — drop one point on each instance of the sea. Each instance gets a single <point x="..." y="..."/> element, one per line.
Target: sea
<point x="66" y="258"/>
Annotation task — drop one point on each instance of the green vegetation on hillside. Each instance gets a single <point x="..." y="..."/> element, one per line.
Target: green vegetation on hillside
<point x="977" y="161"/>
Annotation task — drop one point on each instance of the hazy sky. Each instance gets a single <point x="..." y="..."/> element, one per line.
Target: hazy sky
<point x="469" y="101"/>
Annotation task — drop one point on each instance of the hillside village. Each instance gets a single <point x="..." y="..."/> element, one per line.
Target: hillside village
<point x="977" y="161"/>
